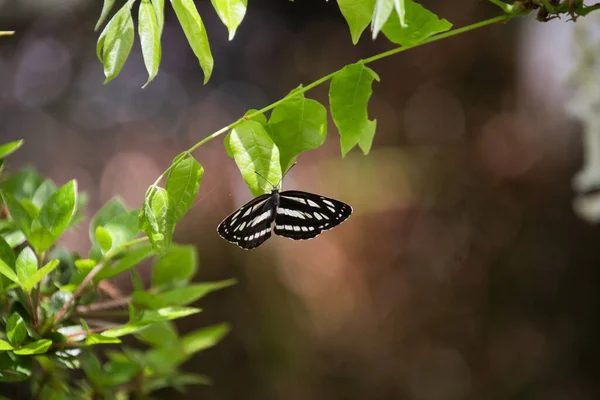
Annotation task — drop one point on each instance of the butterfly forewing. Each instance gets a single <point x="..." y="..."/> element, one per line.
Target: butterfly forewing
<point x="303" y="215"/>
<point x="250" y="225"/>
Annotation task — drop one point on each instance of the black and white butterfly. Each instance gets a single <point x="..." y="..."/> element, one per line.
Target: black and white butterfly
<point x="293" y="214"/>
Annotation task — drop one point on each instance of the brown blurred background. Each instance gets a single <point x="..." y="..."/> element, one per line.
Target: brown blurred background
<point x="463" y="273"/>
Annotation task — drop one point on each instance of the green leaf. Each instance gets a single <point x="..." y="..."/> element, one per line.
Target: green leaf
<point x="255" y="153"/>
<point x="14" y="238"/>
<point x="156" y="219"/>
<point x="4" y="345"/>
<point x="136" y="280"/>
<point x="106" y="7"/>
<point x="383" y="9"/>
<point x="260" y="118"/>
<point x="39" y="275"/>
<point x="177" y="265"/>
<point x="165" y="314"/>
<point x="95" y="338"/>
<point x="104" y="239"/>
<point x="400" y="6"/>
<point x="129" y="260"/>
<point x="203" y="338"/>
<point x="16" y="331"/>
<point x="163" y="360"/>
<point x="118" y="42"/>
<point x="159" y="13"/>
<point x="43" y="193"/>
<point x="23" y="184"/>
<point x="6" y="253"/>
<point x="159" y="334"/>
<point x="148" y="317"/>
<point x="17" y="213"/>
<point x="58" y="211"/>
<point x="39" y="347"/>
<point x="100" y="44"/>
<point x="296" y="125"/>
<point x="31" y="208"/>
<point x="122" y="225"/>
<point x="358" y="14"/>
<point x="182" y="185"/>
<point x="420" y="25"/>
<point x="26" y="265"/>
<point x="192" y="25"/>
<point x="366" y="140"/>
<point x="149" y="38"/>
<point x="9" y="148"/>
<point x="189" y="294"/>
<point x="8" y="272"/>
<point x="231" y="13"/>
<point x="349" y="95"/>
<point x="14" y="368"/>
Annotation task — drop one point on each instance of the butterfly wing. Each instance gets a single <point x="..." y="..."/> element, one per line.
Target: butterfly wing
<point x="303" y="215"/>
<point x="250" y="225"/>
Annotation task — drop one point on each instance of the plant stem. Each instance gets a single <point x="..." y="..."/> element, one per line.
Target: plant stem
<point x="454" y="32"/>
<point x="105" y="305"/>
<point x="33" y="311"/>
<point x="95" y="271"/>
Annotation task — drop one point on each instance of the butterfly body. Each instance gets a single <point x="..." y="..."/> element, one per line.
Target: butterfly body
<point x="293" y="214"/>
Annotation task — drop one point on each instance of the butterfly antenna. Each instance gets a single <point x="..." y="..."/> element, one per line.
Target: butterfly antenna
<point x="259" y="174"/>
<point x="286" y="172"/>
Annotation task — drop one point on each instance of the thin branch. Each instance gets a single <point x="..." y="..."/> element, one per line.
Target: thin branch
<point x="454" y="32"/>
<point x="105" y="305"/>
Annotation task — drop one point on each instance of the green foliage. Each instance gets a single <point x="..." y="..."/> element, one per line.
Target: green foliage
<point x="420" y="25"/>
<point x="358" y="15"/>
<point x="296" y="125"/>
<point x="149" y="32"/>
<point x="349" y="95"/>
<point x="255" y="153"/>
<point x="44" y="291"/>
<point x="117" y="42"/>
<point x="231" y="13"/>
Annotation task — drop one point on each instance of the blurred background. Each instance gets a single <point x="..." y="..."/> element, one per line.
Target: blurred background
<point x="464" y="272"/>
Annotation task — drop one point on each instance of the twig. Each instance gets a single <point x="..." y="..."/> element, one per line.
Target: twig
<point x="105" y="305"/>
<point x="95" y="271"/>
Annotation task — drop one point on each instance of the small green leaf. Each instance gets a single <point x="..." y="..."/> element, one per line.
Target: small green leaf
<point x="189" y="294"/>
<point x="149" y="32"/>
<point x="420" y="24"/>
<point x="255" y="153"/>
<point x="43" y="193"/>
<point x="18" y="213"/>
<point x="14" y="368"/>
<point x="126" y="329"/>
<point x="8" y="272"/>
<point x="231" y="13"/>
<point x="165" y="314"/>
<point x="182" y="185"/>
<point x="122" y="225"/>
<point x="103" y="238"/>
<point x="118" y="42"/>
<point x="9" y="148"/>
<point x="100" y="44"/>
<point x="358" y="14"/>
<point x="159" y="334"/>
<point x="39" y="275"/>
<point x="14" y="238"/>
<point x="156" y="219"/>
<point x="26" y="265"/>
<point x="400" y="6"/>
<point x="177" y="265"/>
<point x="296" y="125"/>
<point x="85" y="264"/>
<point x="260" y="118"/>
<point x="383" y="9"/>
<point x="58" y="211"/>
<point x="4" y="345"/>
<point x="95" y="338"/>
<point x="129" y="260"/>
<point x="31" y="208"/>
<point x="39" y="347"/>
<point x="159" y="13"/>
<point x="366" y="140"/>
<point x="203" y="338"/>
<point x="349" y="95"/>
<point x="57" y="302"/>
<point x="194" y="30"/>
<point x="16" y="331"/>
<point x="6" y="253"/>
<point x="23" y="184"/>
<point x="147" y="301"/>
<point x="106" y="7"/>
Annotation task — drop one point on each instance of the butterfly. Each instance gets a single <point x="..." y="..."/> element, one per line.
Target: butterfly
<point x="293" y="214"/>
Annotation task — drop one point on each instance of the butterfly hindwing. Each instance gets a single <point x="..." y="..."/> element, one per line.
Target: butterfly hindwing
<point x="303" y="215"/>
<point x="250" y="225"/>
